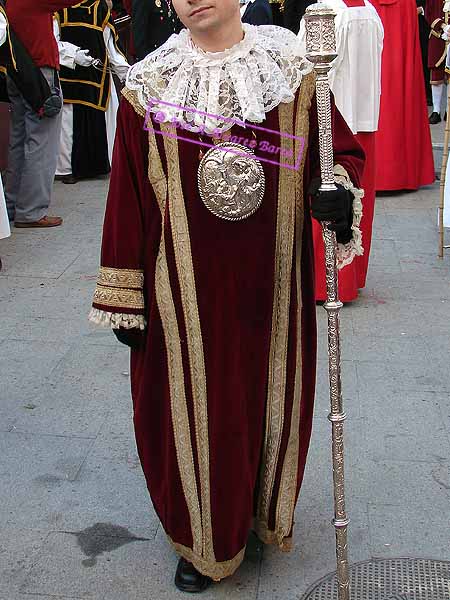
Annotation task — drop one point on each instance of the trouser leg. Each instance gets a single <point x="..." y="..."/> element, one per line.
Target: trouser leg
<point x="39" y="165"/>
<point x="64" y="164"/>
<point x="13" y="174"/>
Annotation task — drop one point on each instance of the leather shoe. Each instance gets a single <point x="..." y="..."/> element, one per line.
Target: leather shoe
<point x="188" y="579"/>
<point x="435" y="118"/>
<point x="69" y="179"/>
<point x="44" y="222"/>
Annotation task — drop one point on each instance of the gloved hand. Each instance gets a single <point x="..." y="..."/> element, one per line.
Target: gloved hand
<point x="335" y="206"/>
<point x="83" y="58"/>
<point x="133" y="338"/>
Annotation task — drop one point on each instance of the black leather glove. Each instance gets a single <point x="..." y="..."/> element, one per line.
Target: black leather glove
<point x="133" y="338"/>
<point x="335" y="206"/>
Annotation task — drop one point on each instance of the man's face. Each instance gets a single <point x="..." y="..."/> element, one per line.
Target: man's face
<point x="203" y="15"/>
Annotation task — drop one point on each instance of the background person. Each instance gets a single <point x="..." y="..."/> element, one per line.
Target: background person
<point x="153" y="22"/>
<point x="85" y="33"/>
<point x="34" y="141"/>
<point x="256" y="12"/>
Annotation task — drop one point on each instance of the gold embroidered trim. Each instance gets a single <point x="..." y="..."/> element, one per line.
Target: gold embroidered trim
<point x="210" y="568"/>
<point x="119" y="298"/>
<point x="270" y="537"/>
<point x="185" y="270"/>
<point x="166" y="307"/>
<point x="179" y="413"/>
<point x="156" y="173"/>
<point x="288" y="485"/>
<point x="121" y="278"/>
<point x="131" y="96"/>
<point x="178" y="404"/>
<point x="280" y="319"/>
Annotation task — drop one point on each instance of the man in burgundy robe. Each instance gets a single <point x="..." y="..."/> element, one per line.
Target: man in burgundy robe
<point x="220" y="314"/>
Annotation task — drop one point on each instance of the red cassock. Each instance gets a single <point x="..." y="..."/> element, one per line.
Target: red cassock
<point x="353" y="276"/>
<point x="355" y="81"/>
<point x="223" y="391"/>
<point x="403" y="144"/>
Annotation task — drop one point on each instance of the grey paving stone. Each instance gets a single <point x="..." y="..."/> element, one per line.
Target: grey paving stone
<point x="110" y="486"/>
<point x="384" y="253"/>
<point x="25" y="366"/>
<point x="46" y="329"/>
<point x="396" y="348"/>
<point x="405" y="288"/>
<point x="19" y="549"/>
<point x="425" y="376"/>
<point x="40" y="297"/>
<point x="85" y="266"/>
<point x="48" y="417"/>
<point x="382" y="229"/>
<point x="398" y="426"/>
<point x="34" y="471"/>
<point x="93" y="376"/>
<point x="19" y="596"/>
<point x="415" y="529"/>
<point x="120" y="569"/>
<point x="393" y="319"/>
<point x="405" y="483"/>
<point x="49" y="263"/>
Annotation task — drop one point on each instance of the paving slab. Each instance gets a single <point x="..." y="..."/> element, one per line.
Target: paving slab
<point x="19" y="549"/>
<point x="416" y="529"/>
<point x="398" y="425"/>
<point x="120" y="568"/>
<point x="34" y="470"/>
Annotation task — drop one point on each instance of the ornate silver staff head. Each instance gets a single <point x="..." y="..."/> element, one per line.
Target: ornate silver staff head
<point x="320" y="36"/>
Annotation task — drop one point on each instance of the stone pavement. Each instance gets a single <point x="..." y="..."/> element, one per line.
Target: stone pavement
<point x="76" y="521"/>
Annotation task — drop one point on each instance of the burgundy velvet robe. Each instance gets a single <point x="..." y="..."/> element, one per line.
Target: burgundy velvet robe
<point x="223" y="391"/>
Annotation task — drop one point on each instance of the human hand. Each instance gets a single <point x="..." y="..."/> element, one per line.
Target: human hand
<point x="335" y="206"/>
<point x="83" y="58"/>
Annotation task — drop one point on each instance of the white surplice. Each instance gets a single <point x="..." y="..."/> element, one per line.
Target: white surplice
<point x="119" y="67"/>
<point x="355" y="78"/>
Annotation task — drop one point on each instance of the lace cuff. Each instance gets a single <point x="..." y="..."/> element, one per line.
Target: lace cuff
<point x="116" y="320"/>
<point x="347" y="252"/>
<point x="119" y="299"/>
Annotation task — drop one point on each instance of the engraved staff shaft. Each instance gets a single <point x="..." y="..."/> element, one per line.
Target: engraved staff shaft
<point x="321" y="50"/>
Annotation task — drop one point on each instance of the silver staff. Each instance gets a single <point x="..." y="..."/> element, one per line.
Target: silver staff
<point x="321" y="50"/>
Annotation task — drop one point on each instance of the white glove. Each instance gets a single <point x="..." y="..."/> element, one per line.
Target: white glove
<point x="83" y="59"/>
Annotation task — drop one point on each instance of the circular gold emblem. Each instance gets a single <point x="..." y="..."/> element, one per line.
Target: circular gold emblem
<point x="231" y="181"/>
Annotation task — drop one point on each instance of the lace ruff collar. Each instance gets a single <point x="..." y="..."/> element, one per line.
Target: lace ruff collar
<point x="210" y="90"/>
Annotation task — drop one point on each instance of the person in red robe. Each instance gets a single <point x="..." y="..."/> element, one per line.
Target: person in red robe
<point x="207" y="274"/>
<point x="404" y="157"/>
<point x="355" y="81"/>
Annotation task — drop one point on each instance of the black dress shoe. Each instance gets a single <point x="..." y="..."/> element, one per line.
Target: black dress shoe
<point x="188" y="579"/>
<point x="69" y="179"/>
<point x="434" y="118"/>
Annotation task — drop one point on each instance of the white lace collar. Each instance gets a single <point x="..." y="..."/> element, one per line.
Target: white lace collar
<point x="243" y="83"/>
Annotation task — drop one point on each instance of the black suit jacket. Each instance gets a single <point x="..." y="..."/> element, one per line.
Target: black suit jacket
<point x="152" y="25"/>
<point x="293" y="13"/>
<point x="258" y="13"/>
